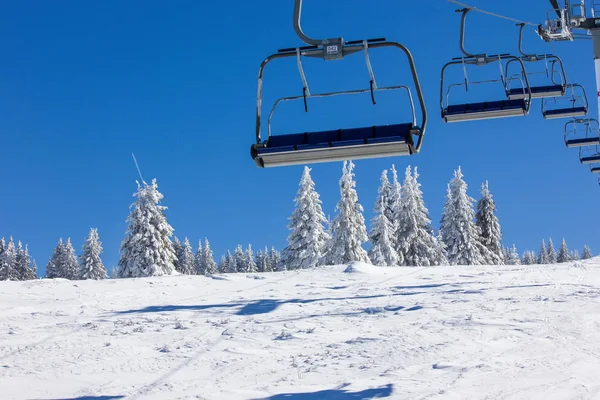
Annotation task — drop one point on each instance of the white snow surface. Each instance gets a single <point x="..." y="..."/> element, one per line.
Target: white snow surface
<point x="340" y="332"/>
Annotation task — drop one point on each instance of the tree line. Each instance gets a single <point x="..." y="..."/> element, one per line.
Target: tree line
<point x="401" y="234"/>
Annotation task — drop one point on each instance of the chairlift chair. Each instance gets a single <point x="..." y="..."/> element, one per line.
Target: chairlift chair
<point x="554" y="108"/>
<point x="341" y="144"/>
<point x="582" y="132"/>
<point x="589" y="155"/>
<point x="499" y="108"/>
<point x="554" y="88"/>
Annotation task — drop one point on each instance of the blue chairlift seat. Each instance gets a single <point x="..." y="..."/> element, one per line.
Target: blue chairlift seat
<point x="565" y="112"/>
<point x="336" y="145"/>
<point x="536" y="92"/>
<point x="590" y="159"/>
<point x="591" y="141"/>
<point x="484" y="110"/>
<point x="595" y="170"/>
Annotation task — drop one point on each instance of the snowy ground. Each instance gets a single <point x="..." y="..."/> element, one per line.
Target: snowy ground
<point x="402" y="333"/>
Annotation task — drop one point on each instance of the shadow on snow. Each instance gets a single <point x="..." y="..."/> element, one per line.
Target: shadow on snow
<point x="336" y="394"/>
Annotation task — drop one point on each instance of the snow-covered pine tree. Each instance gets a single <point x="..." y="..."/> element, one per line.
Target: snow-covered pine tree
<point x="178" y="251"/>
<point x="587" y="253"/>
<point x="513" y="257"/>
<point x="210" y="266"/>
<point x="416" y="242"/>
<point x="240" y="259"/>
<point x="199" y="264"/>
<point x="90" y="263"/>
<point x="34" y="267"/>
<point x="275" y="260"/>
<point x="459" y="232"/>
<point x="8" y="263"/>
<point x="54" y="266"/>
<point x="69" y="264"/>
<point x="489" y="226"/>
<point x="231" y="263"/>
<point x="563" y="253"/>
<point x="393" y="207"/>
<point x="552" y="256"/>
<point x="382" y="252"/>
<point x="249" y="262"/>
<point x="574" y="256"/>
<point x="543" y="254"/>
<point x="349" y="230"/>
<point x="307" y="238"/>
<point x="528" y="258"/>
<point x="268" y="264"/>
<point x="223" y="268"/>
<point x="261" y="260"/>
<point x="147" y="249"/>
<point x="187" y="258"/>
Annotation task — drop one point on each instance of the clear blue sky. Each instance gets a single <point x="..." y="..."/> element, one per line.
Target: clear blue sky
<point x="85" y="84"/>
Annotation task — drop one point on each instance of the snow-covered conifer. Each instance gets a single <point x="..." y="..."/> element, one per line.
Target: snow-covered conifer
<point x="231" y="263"/>
<point x="268" y="263"/>
<point x="249" y="262"/>
<point x="349" y="230"/>
<point x="223" y="268"/>
<point x="394" y="197"/>
<point x="199" y="265"/>
<point x="275" y="260"/>
<point x="307" y="238"/>
<point x="552" y="256"/>
<point x="90" y="263"/>
<point x="574" y="256"/>
<point x="382" y="252"/>
<point x="563" y="253"/>
<point x="416" y="242"/>
<point x="489" y="226"/>
<point x="587" y="253"/>
<point x="147" y="249"/>
<point x="240" y="259"/>
<point x="513" y="257"/>
<point x="54" y="266"/>
<point x="459" y="232"/>
<point x="69" y="264"/>
<point x="543" y="254"/>
<point x="178" y="251"/>
<point x="186" y="263"/>
<point x="528" y="258"/>
<point x="208" y="260"/>
<point x="8" y="263"/>
<point x="261" y="260"/>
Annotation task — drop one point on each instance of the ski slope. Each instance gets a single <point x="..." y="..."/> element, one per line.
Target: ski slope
<point x="343" y="332"/>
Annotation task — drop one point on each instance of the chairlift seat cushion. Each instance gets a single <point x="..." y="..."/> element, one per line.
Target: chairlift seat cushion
<point x="486" y="106"/>
<point x="537" y="90"/>
<point x="583" y="142"/>
<point x="339" y="137"/>
<point x="590" y="159"/>
<point x="566" y="112"/>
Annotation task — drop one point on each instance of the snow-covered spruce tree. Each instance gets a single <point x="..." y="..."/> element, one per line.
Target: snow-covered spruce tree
<point x="199" y="265"/>
<point x="349" y="230"/>
<point x="54" y="266"/>
<point x="416" y="242"/>
<point x="574" y="255"/>
<point x="528" y="258"/>
<point x="186" y="263"/>
<point x="382" y="252"/>
<point x="8" y="263"/>
<point x="459" y="232"/>
<point x="178" y="251"/>
<point x="543" y="254"/>
<point x="223" y="268"/>
<point x="90" y="263"/>
<point x="249" y="263"/>
<point x="147" y="249"/>
<point x="240" y="259"/>
<point x="69" y="264"/>
<point x="513" y="257"/>
<point x="34" y="267"/>
<point x="394" y="197"/>
<point x="552" y="256"/>
<point x="489" y="226"/>
<point x="275" y="260"/>
<point x="307" y="238"/>
<point x="231" y="263"/>
<point x="209" y="265"/>
<point x="261" y="260"/>
<point x="268" y="263"/>
<point x="587" y="253"/>
<point x="563" y="253"/>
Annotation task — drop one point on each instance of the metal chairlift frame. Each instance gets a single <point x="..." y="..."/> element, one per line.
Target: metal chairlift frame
<point x="554" y="90"/>
<point x="334" y="49"/>
<point x="591" y="126"/>
<point x="571" y="112"/>
<point x="589" y="155"/>
<point x="484" y="110"/>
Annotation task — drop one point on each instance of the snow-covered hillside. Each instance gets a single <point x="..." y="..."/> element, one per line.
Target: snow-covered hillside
<point x="359" y="332"/>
